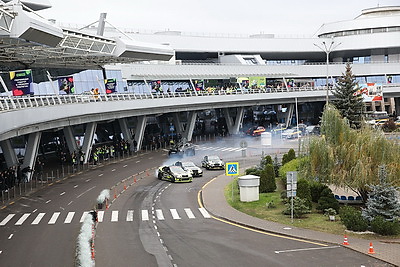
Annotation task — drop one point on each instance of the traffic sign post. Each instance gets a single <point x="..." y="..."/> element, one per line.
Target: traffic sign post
<point x="291" y="187"/>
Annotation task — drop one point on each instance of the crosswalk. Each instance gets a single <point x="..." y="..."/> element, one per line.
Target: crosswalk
<point x="216" y="148"/>
<point x="111" y="216"/>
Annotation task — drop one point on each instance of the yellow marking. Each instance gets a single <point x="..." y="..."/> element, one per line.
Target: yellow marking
<point x="50" y="184"/>
<point x="12" y="202"/>
<point x="2" y="208"/>
<point x="251" y="229"/>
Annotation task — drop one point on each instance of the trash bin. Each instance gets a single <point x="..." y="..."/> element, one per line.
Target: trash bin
<point x="99" y="206"/>
<point x="249" y="186"/>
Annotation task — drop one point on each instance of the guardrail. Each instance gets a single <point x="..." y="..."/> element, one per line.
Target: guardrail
<point x="22" y="102"/>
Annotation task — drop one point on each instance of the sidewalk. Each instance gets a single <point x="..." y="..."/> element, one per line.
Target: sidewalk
<point x="215" y="202"/>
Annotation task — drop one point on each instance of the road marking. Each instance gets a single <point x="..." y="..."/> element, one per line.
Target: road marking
<point x="189" y="213"/>
<point x="205" y="213"/>
<point x="101" y="174"/>
<point x="1" y="251"/>
<point x="303" y="249"/>
<point x="10" y="236"/>
<point x="100" y="215"/>
<point x="175" y="214"/>
<point x="114" y="216"/>
<point x="160" y="215"/>
<point x="34" y="210"/>
<point x="137" y="161"/>
<point x="125" y="166"/>
<point x="151" y="158"/>
<point x="113" y="170"/>
<point x="70" y="203"/>
<point x="75" y="186"/>
<point x="48" y="201"/>
<point x="62" y="193"/>
<point x="38" y="218"/>
<point x="83" y="216"/>
<point x="88" y="180"/>
<point x="54" y="218"/>
<point x="7" y="219"/>
<point x="69" y="217"/>
<point x="129" y="216"/>
<point x="85" y="192"/>
<point x="22" y="219"/>
<point x="145" y="215"/>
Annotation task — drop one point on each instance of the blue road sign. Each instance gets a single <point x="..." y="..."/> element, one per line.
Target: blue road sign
<point x="231" y="168"/>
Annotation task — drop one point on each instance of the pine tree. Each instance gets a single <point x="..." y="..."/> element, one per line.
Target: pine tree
<point x="348" y="102"/>
<point x="382" y="200"/>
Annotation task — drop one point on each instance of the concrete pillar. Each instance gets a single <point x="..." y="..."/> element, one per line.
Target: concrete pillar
<point x="126" y="133"/>
<point x="31" y="152"/>
<point x="88" y="140"/>
<point x="177" y="123"/>
<point x="9" y="153"/>
<point x="70" y="139"/>
<point x="191" y="122"/>
<point x="233" y="125"/>
<point x="139" y="131"/>
<point x="289" y="114"/>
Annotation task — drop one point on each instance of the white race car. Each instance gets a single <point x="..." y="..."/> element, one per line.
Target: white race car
<point x="189" y="165"/>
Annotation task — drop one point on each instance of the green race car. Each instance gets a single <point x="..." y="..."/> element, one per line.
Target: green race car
<point x="174" y="174"/>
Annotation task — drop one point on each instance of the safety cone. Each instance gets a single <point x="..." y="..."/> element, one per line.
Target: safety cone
<point x="371" y="249"/>
<point x="115" y="193"/>
<point x="106" y="203"/>
<point x="134" y="179"/>
<point x="124" y="186"/>
<point x="147" y="173"/>
<point x="345" y="242"/>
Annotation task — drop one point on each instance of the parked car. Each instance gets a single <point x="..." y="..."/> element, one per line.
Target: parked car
<point x="255" y="131"/>
<point x="212" y="162"/>
<point x="190" y="166"/>
<point x="174" y="174"/>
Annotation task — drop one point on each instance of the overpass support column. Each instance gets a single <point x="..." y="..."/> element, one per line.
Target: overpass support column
<point x="9" y="153"/>
<point x="289" y="115"/>
<point x="70" y="138"/>
<point x="191" y="122"/>
<point x="177" y="123"/>
<point x="31" y="153"/>
<point x="126" y="133"/>
<point x="88" y="140"/>
<point x="234" y="126"/>
<point x="139" y="131"/>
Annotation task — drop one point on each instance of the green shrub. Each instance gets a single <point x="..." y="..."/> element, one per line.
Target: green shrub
<point x="288" y="167"/>
<point x="265" y="160"/>
<point x="304" y="192"/>
<point x="270" y="205"/>
<point x="316" y="190"/>
<point x="383" y="227"/>
<point x="267" y="179"/>
<point x="299" y="208"/>
<point x="253" y="171"/>
<point x="327" y="200"/>
<point x="352" y="219"/>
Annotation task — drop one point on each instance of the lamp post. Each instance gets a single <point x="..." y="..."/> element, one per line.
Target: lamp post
<point x="327" y="48"/>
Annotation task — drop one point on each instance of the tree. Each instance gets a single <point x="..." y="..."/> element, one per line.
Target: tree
<point x="267" y="179"/>
<point x="348" y="101"/>
<point x="288" y="156"/>
<point x="304" y="191"/>
<point x="265" y="160"/>
<point x="382" y="200"/>
<point x="299" y="208"/>
<point x="327" y="200"/>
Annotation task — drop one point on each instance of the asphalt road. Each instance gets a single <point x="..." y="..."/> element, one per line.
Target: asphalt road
<point x="149" y="223"/>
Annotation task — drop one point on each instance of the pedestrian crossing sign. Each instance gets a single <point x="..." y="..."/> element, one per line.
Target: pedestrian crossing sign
<point x="232" y="168"/>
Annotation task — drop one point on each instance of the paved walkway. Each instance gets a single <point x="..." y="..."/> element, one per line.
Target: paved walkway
<point x="215" y="202"/>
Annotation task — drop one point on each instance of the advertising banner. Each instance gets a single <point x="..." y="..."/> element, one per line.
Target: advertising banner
<point x="199" y="85"/>
<point x="21" y="82"/>
<point x="66" y="85"/>
<point x="111" y="85"/>
<point x="370" y="92"/>
<point x="257" y="81"/>
<point x="155" y="85"/>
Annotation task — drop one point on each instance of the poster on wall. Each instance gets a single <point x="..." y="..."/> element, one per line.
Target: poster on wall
<point x="111" y="85"/>
<point x="21" y="82"/>
<point x="155" y="85"/>
<point x="199" y="85"/>
<point x="370" y="92"/>
<point x="66" y="85"/>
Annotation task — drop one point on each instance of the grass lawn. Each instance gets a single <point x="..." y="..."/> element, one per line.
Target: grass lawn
<point x="314" y="221"/>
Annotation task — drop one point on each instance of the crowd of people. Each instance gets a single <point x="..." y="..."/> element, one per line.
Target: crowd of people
<point x="12" y="176"/>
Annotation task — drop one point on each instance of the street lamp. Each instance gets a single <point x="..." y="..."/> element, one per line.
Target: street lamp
<point x="327" y="48"/>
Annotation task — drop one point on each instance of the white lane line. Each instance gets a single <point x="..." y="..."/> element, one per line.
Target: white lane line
<point x="69" y="203"/>
<point x="22" y="219"/>
<point x="75" y="186"/>
<point x="175" y="214"/>
<point x="38" y="218"/>
<point x="34" y="210"/>
<point x="88" y="180"/>
<point x="54" y="218"/>
<point x="69" y="217"/>
<point x="10" y="236"/>
<point x="1" y="251"/>
<point x="137" y="161"/>
<point x="101" y="174"/>
<point x="189" y="213"/>
<point x="160" y="215"/>
<point x="113" y="170"/>
<point x="304" y="249"/>
<point x="145" y="215"/>
<point x="62" y="193"/>
<point x="100" y="215"/>
<point x="226" y="149"/>
<point x="151" y="158"/>
<point x="48" y="201"/>
<point x="83" y="216"/>
<point x="114" y="216"/>
<point x="85" y="192"/>
<point x="125" y="166"/>
<point x="129" y="216"/>
<point x="205" y="213"/>
<point x="7" y="219"/>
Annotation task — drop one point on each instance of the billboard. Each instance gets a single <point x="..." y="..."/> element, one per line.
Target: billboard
<point x="21" y="82"/>
<point x="66" y="85"/>
<point x="111" y="85"/>
<point x="257" y="81"/>
<point x="370" y="92"/>
<point x="199" y="85"/>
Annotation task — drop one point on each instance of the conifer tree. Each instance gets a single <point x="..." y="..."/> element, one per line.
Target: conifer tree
<point x="382" y="200"/>
<point x="347" y="100"/>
